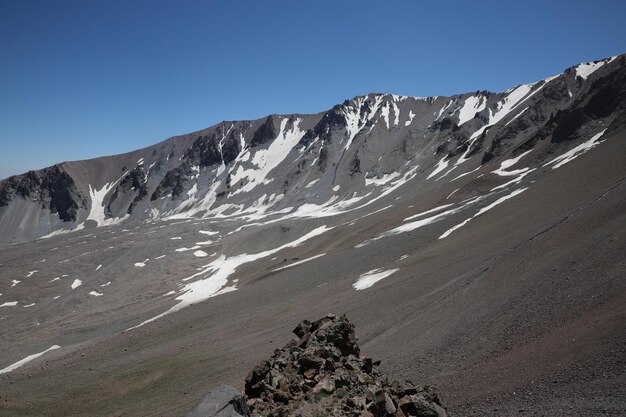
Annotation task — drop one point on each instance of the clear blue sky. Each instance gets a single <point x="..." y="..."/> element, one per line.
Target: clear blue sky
<point x="86" y="78"/>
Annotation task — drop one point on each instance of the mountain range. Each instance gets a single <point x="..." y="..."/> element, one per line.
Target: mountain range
<point x="476" y="240"/>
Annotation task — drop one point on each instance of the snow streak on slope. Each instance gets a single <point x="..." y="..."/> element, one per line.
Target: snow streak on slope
<point x="482" y="211"/>
<point x="441" y="165"/>
<point x="383" y="180"/>
<point x="511" y="102"/>
<point x="299" y="262"/>
<point x="218" y="272"/>
<point x="355" y="120"/>
<point x="572" y="154"/>
<point x="509" y="163"/>
<point x="27" y="359"/>
<point x="372" y="277"/>
<point x="9" y="304"/>
<point x="266" y="160"/>
<point x="409" y="227"/>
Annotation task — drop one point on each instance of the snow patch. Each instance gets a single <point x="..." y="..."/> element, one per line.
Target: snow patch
<point x="96" y="211"/>
<point x="515" y="180"/>
<point x="266" y="160"/>
<point x="585" y="69"/>
<point x="141" y="264"/>
<point x="396" y="113"/>
<point x="312" y="183"/>
<point x="372" y="277"/>
<point x="411" y="116"/>
<point x="441" y="165"/>
<point x="471" y="106"/>
<point x="27" y="359"/>
<point x="383" y="180"/>
<point x="574" y="153"/>
<point x="502" y="171"/>
<point x="208" y="232"/>
<point x="184" y="249"/>
<point x="424" y="213"/>
<point x="9" y="304"/>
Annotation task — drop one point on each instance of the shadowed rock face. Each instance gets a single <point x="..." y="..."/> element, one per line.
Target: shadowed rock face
<point x="61" y="190"/>
<point x="52" y="187"/>
<point x="321" y="373"/>
<point x="231" y="148"/>
<point x="264" y="133"/>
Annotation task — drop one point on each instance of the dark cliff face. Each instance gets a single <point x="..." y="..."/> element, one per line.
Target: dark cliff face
<point x="64" y="198"/>
<point x="135" y="179"/>
<point x="134" y="182"/>
<point x="231" y="147"/>
<point x="173" y="182"/>
<point x="607" y="96"/>
<point x="204" y="152"/>
<point x="331" y="121"/>
<point x="265" y="133"/>
<point x="223" y="145"/>
<point x="53" y="187"/>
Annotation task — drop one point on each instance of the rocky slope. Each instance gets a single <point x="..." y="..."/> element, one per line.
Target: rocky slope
<point x="322" y="373"/>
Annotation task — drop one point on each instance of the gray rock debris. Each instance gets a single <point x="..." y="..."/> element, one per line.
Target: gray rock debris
<point x="322" y="373"/>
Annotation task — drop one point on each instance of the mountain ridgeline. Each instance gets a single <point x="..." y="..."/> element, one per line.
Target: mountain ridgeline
<point x="301" y="165"/>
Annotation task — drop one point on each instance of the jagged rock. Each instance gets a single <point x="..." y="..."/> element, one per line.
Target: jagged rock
<point x="52" y="186"/>
<point x="322" y="373"/>
<point x="326" y="385"/>
<point x="264" y="133"/>
<point x="231" y="148"/>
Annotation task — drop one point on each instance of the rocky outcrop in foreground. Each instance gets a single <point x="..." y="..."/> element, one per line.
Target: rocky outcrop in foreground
<point x="321" y="374"/>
